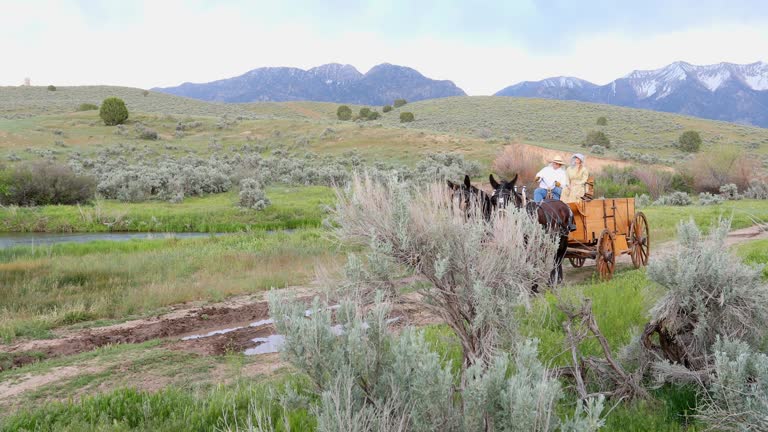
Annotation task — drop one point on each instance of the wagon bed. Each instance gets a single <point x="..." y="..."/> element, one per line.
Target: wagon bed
<point x="607" y="228"/>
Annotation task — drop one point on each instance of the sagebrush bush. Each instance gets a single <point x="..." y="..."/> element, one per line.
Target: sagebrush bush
<point x="387" y="108"/>
<point x="488" y="268"/>
<point x="146" y="133"/>
<point x="51" y="87"/>
<point x="730" y="192"/>
<point x="710" y="293"/>
<point x="706" y="198"/>
<point x="642" y="201"/>
<point x="45" y="183"/>
<point x="444" y="166"/>
<point x="113" y="111"/>
<point x="736" y="398"/>
<point x="399" y="102"/>
<point x="252" y="195"/>
<point x="367" y="378"/>
<point x="602" y="121"/>
<point x="674" y="199"/>
<point x="364" y="113"/>
<point x="597" y="149"/>
<point x="758" y="189"/>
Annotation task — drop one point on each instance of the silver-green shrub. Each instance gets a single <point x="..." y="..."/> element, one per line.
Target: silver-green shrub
<point x="706" y="198"/>
<point x="674" y="199"/>
<point x="145" y="133"/>
<point x="252" y="195"/>
<point x="736" y="398"/>
<point x="758" y="189"/>
<point x="367" y="378"/>
<point x="642" y="200"/>
<point x="597" y="149"/>
<point x="437" y="167"/>
<point x="710" y="293"/>
<point x="730" y="192"/>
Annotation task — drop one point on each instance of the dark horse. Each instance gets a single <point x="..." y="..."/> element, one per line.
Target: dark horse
<point x="470" y="198"/>
<point x="553" y="215"/>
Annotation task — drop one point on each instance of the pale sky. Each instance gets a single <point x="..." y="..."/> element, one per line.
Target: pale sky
<point x="481" y="45"/>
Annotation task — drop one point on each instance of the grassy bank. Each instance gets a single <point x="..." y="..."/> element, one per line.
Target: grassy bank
<point x="663" y="220"/>
<point x="292" y="207"/>
<point x="48" y="287"/>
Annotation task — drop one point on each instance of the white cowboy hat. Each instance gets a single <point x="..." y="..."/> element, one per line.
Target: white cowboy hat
<point x="578" y="156"/>
<point x="558" y="160"/>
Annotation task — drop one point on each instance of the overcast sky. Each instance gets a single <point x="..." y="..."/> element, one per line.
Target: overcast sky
<point x="481" y="45"/>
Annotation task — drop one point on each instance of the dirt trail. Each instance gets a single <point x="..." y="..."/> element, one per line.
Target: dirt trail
<point x="579" y="275"/>
<point x="29" y="382"/>
<point x="594" y="163"/>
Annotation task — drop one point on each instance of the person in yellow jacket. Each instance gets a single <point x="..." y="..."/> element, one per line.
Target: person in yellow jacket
<point x="577" y="179"/>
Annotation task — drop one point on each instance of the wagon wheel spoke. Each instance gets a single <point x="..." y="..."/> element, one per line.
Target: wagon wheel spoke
<point x="639" y="240"/>
<point x="606" y="255"/>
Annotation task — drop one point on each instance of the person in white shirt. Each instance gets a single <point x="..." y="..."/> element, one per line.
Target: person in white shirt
<point x="553" y="178"/>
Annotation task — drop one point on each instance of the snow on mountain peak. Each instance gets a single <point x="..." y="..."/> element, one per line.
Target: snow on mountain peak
<point x="712" y="79"/>
<point x="563" y="81"/>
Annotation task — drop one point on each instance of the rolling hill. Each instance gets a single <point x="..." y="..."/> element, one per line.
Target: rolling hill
<point x="477" y="126"/>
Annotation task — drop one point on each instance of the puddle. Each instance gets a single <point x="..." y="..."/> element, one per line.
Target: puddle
<point x="209" y="334"/>
<point x="273" y="343"/>
<point x="262" y="323"/>
<point x="259" y="323"/>
<point x="267" y="345"/>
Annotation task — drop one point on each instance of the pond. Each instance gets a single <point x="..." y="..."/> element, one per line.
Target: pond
<point x="8" y="240"/>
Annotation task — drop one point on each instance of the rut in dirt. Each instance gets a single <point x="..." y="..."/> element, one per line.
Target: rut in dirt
<point x="201" y="320"/>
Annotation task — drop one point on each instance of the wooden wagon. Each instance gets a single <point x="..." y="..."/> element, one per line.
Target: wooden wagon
<point x="605" y="229"/>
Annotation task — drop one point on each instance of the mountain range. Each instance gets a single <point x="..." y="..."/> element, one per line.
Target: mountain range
<point x="724" y="91"/>
<point x="327" y="83"/>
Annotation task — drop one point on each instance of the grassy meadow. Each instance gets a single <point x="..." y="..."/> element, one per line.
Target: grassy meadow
<point x="294" y="207"/>
<point x="49" y="287"/>
<point x="47" y="290"/>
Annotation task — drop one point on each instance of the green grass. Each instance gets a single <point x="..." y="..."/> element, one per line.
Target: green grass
<point x="663" y="221"/>
<point x="292" y="207"/>
<point x="77" y="283"/>
<point x="630" y="290"/>
<point x="170" y="409"/>
<point x="755" y="252"/>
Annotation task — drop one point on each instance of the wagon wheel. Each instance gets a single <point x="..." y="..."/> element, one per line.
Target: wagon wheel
<point x="606" y="255"/>
<point x="639" y="240"/>
<point x="577" y="262"/>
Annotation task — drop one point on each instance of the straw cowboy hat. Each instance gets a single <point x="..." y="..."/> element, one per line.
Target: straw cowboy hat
<point x="557" y="160"/>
